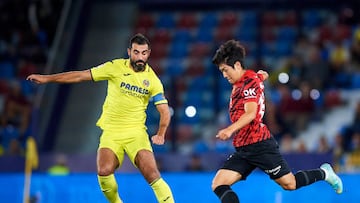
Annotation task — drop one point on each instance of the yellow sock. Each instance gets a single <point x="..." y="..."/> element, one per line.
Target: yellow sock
<point x="162" y="191"/>
<point x="109" y="187"/>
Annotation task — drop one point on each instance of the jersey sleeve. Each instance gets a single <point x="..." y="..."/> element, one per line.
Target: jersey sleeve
<point x="102" y="72"/>
<point x="261" y="76"/>
<point x="157" y="92"/>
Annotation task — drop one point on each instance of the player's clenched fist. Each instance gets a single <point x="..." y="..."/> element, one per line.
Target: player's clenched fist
<point x="157" y="139"/>
<point x="224" y="134"/>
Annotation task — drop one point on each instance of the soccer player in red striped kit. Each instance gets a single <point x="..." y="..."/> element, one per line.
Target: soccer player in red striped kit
<point x="255" y="147"/>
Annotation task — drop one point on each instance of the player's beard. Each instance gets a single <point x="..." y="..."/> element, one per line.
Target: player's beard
<point x="138" y="65"/>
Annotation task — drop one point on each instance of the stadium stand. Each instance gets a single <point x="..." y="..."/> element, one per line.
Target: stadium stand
<point x="29" y="27"/>
<point x="279" y="40"/>
<point x="272" y="36"/>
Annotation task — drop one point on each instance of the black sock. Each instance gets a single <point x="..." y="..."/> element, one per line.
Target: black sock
<point x="308" y="177"/>
<point x="226" y="194"/>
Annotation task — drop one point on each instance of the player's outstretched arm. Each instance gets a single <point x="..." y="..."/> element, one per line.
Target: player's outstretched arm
<point x="164" y="122"/>
<point x="65" y="77"/>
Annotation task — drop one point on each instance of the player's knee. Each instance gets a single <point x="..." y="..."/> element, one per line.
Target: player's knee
<point x="216" y="182"/>
<point x="105" y="170"/>
<point x="291" y="185"/>
<point x="214" y="185"/>
<point x="151" y="175"/>
<point x="287" y="182"/>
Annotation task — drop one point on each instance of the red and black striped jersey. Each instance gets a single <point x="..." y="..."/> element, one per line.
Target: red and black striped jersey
<point x="249" y="88"/>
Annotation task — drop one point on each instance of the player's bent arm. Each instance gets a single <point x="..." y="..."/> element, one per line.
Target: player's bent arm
<point x="164" y="122"/>
<point x="246" y="118"/>
<point x="65" y="77"/>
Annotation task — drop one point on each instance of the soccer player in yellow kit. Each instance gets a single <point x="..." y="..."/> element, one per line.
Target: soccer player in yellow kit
<point x="131" y="84"/>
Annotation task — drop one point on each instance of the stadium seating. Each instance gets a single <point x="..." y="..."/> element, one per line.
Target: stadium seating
<point x="7" y="70"/>
<point x="189" y="39"/>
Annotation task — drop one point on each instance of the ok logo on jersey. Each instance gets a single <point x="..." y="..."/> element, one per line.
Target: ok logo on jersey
<point x="250" y="92"/>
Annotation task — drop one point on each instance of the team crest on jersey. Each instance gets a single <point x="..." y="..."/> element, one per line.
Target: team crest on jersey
<point x="146" y="83"/>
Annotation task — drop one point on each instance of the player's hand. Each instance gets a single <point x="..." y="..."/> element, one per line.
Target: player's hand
<point x="158" y="139"/>
<point x="224" y="134"/>
<point x="264" y="74"/>
<point x="37" y="78"/>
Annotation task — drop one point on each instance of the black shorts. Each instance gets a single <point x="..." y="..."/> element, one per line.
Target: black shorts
<point x="264" y="155"/>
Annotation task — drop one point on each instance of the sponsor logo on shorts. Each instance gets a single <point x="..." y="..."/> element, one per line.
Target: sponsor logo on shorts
<point x="273" y="171"/>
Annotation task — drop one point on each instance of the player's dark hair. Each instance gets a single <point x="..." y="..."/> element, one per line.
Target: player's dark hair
<point x="229" y="53"/>
<point x="139" y="39"/>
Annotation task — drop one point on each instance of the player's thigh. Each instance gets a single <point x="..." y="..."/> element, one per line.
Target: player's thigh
<point x="225" y="177"/>
<point x="145" y="159"/>
<point x="146" y="163"/>
<point x="106" y="161"/>
<point x="110" y="154"/>
<point x="239" y="162"/>
<point x="136" y="144"/>
<point x="268" y="158"/>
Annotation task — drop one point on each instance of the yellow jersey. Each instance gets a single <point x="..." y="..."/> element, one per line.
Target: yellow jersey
<point x="128" y="94"/>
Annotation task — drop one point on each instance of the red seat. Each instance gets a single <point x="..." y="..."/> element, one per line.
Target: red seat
<point x="145" y="20"/>
<point x="342" y="32"/>
<point x="4" y="87"/>
<point x="196" y="67"/>
<point x="159" y="50"/>
<point x="289" y="18"/>
<point x="184" y="133"/>
<point x="181" y="86"/>
<point x="270" y="19"/>
<point x="161" y="36"/>
<point x="199" y="50"/>
<point x="332" y="99"/>
<point x="26" y="68"/>
<point x="156" y="65"/>
<point x="187" y="20"/>
<point x="325" y="33"/>
<point x="224" y="33"/>
<point x="268" y="34"/>
<point x="228" y="19"/>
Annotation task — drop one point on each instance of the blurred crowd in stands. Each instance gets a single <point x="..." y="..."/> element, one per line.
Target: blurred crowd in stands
<point x="311" y="54"/>
<point x="27" y="31"/>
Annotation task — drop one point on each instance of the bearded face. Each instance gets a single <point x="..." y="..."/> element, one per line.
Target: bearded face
<point x="139" y="54"/>
<point x="138" y="65"/>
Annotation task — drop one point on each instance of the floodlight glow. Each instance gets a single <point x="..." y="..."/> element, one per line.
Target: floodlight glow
<point x="315" y="94"/>
<point x="283" y="78"/>
<point x="190" y="111"/>
<point x="296" y="94"/>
